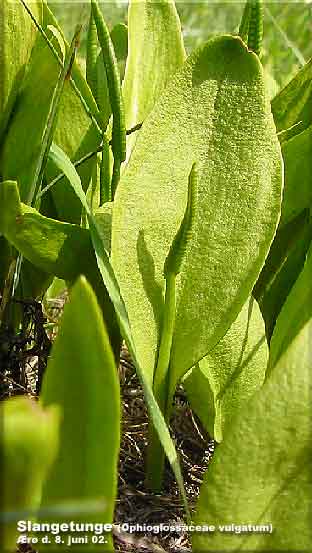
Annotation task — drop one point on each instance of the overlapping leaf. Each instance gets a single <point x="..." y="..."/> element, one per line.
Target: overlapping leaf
<point x="75" y="132"/>
<point x="292" y="106"/>
<point x="282" y="267"/>
<point x="81" y="379"/>
<point x="297" y="155"/>
<point x="59" y="249"/>
<point x="261" y="473"/>
<point x="156" y="51"/>
<point x="29" y="444"/>
<point x="219" y="386"/>
<point x="14" y="52"/>
<point x="214" y="112"/>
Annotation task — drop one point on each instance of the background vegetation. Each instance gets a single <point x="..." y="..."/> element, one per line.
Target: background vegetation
<point x="287" y="28"/>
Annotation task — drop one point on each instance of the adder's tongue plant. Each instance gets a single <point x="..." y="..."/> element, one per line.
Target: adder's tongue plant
<point x="178" y="240"/>
<point x="215" y="111"/>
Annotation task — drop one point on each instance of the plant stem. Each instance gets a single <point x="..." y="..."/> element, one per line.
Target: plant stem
<point x="155" y="454"/>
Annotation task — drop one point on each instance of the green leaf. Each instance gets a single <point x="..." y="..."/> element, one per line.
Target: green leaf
<point x="292" y="106"/>
<point x="5" y="260"/>
<point x="282" y="267"/>
<point x="29" y="442"/>
<point x="231" y="373"/>
<point x="33" y="281"/>
<point x="156" y="51"/>
<point x="51" y="121"/>
<point x="261" y="474"/>
<point x="295" y="315"/>
<point x="18" y="37"/>
<point x="297" y="155"/>
<point x="75" y="132"/>
<point x="81" y="379"/>
<point x="59" y="249"/>
<point x="55" y="290"/>
<point x="214" y="112"/>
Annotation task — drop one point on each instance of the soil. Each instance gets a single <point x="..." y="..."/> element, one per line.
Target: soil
<point x="26" y="358"/>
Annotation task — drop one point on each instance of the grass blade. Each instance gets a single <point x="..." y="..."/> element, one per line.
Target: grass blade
<point x="51" y="120"/>
<point x="88" y="103"/>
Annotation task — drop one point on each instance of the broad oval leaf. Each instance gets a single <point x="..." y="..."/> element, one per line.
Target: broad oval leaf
<point x="81" y="379"/>
<point x="222" y="382"/>
<point x="18" y="36"/>
<point x="156" y="51"/>
<point x="261" y="474"/>
<point x="214" y="112"/>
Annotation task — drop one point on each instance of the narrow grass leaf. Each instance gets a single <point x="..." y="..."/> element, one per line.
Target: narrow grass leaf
<point x="92" y="53"/>
<point x="105" y="174"/>
<point x="52" y="121"/>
